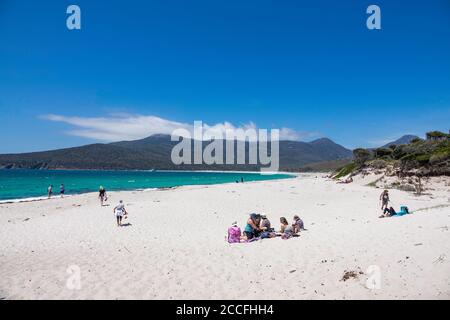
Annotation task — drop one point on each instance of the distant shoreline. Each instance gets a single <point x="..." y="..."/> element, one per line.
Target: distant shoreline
<point x="57" y="195"/>
<point x="160" y="170"/>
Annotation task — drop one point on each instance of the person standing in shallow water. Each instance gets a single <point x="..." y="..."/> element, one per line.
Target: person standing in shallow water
<point x="50" y="191"/>
<point x="61" y="190"/>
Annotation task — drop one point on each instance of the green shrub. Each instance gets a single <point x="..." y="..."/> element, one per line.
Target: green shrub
<point x="423" y="158"/>
<point x="383" y="152"/>
<point x="378" y="163"/>
<point x="346" y="170"/>
<point x="361" y="155"/>
<point x="437" y="135"/>
<point x="399" y="152"/>
<point x="438" y="157"/>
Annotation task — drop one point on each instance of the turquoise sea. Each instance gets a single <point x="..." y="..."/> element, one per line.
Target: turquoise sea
<point x="19" y="184"/>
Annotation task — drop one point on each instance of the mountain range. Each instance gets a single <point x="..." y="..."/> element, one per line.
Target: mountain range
<point x="154" y="152"/>
<point x="403" y="140"/>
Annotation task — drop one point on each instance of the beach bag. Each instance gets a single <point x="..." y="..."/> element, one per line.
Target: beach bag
<point x="234" y="234"/>
<point x="403" y="210"/>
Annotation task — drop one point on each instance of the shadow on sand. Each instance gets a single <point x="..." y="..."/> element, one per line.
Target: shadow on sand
<point x="126" y="224"/>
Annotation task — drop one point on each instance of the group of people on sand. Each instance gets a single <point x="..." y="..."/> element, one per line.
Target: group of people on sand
<point x="390" y="211"/>
<point x="50" y="190"/>
<point x="119" y="210"/>
<point x="259" y="227"/>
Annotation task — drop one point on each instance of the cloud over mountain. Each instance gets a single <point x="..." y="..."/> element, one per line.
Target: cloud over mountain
<point x="116" y="127"/>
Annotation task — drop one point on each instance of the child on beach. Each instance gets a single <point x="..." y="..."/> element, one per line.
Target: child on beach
<point x="120" y="212"/>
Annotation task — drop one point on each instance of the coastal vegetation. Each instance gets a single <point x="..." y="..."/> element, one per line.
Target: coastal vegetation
<point x="419" y="157"/>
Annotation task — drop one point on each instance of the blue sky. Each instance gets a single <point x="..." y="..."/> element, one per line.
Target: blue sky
<point x="311" y="67"/>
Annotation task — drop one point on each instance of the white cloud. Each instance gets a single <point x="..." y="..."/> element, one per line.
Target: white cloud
<point x="117" y="127"/>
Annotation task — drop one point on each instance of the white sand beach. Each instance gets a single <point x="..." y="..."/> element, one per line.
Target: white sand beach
<point x="175" y="248"/>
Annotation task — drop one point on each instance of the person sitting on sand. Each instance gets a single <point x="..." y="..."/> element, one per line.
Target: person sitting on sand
<point x="265" y="224"/>
<point x="388" y="212"/>
<point x="252" y="228"/>
<point x="50" y="191"/>
<point x="285" y="227"/>
<point x="384" y="198"/>
<point x="298" y="224"/>
<point x="102" y="195"/>
<point x="391" y="212"/>
<point x="120" y="212"/>
<point x="266" y="229"/>
<point x="259" y="230"/>
<point x="286" y="230"/>
<point x="234" y="233"/>
<point x="348" y="180"/>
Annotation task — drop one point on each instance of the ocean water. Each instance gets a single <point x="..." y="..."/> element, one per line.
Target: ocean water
<point x="20" y="184"/>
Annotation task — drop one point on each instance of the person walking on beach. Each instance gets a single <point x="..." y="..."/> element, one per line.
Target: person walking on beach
<point x="384" y="198"/>
<point x="50" y="191"/>
<point x="102" y="195"/>
<point x="120" y="212"/>
<point x="61" y="190"/>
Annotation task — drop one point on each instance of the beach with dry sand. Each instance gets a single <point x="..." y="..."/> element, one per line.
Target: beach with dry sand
<point x="173" y="244"/>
